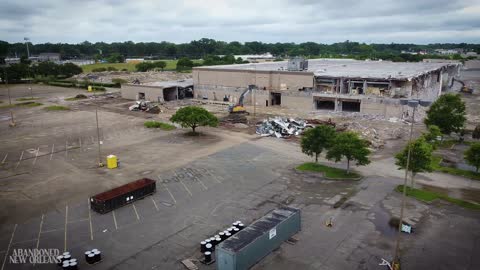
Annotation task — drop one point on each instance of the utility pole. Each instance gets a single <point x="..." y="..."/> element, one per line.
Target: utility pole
<point x="26" y="42"/>
<point x="254" y="97"/>
<point x="12" y="121"/>
<point x="100" y="163"/>
<point x="413" y="103"/>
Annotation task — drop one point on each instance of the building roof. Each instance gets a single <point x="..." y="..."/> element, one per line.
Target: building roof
<point x="347" y="68"/>
<point x="167" y="84"/>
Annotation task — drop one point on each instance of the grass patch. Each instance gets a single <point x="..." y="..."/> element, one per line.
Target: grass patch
<point x="57" y="108"/>
<point x="160" y="125"/>
<point x="329" y="172"/>
<point x="77" y="97"/>
<point x="436" y="160"/>
<point x="171" y="65"/>
<point x="26" y="98"/>
<point x="22" y="104"/>
<point x="428" y="196"/>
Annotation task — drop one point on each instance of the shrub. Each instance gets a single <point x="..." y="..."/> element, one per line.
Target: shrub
<point x="118" y="81"/>
<point x="155" y="124"/>
<point x="57" y="108"/>
<point x="111" y="69"/>
<point x="100" y="69"/>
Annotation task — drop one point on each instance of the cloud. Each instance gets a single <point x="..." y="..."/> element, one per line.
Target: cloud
<point x="297" y="21"/>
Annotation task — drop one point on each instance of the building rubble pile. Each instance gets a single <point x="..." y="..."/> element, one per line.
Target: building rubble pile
<point x="282" y="127"/>
<point x="376" y="132"/>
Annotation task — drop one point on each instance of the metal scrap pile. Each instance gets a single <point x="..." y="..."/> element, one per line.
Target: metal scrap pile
<point x="282" y="127"/>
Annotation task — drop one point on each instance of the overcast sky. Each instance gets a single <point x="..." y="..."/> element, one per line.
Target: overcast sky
<point x="324" y="21"/>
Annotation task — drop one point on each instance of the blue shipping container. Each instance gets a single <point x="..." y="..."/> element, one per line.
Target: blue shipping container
<point x="250" y="245"/>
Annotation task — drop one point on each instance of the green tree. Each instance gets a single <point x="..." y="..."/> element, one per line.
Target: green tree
<point x="432" y="135"/>
<point x="315" y="140"/>
<point x="160" y="64"/>
<point x="350" y="146"/>
<point x="448" y="113"/>
<point x="69" y="69"/>
<point x="472" y="156"/>
<point x="116" y="58"/>
<point x="184" y="64"/>
<point x="193" y="117"/>
<point x="476" y="132"/>
<point x="420" y="157"/>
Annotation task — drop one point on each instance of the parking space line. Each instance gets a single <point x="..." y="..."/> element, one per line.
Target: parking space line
<point x="186" y="188"/>
<point x="168" y="190"/>
<point x="40" y="231"/>
<point x="90" y="219"/>
<point x="66" y="223"/>
<point x="52" y="230"/>
<point x="154" y="203"/>
<point x="5" y="158"/>
<point x="9" y="245"/>
<point x="114" y="220"/>
<point x="51" y="154"/>
<point x="77" y="220"/>
<point x="136" y="213"/>
<point x="20" y="160"/>
<point x="36" y="156"/>
<point x="201" y="182"/>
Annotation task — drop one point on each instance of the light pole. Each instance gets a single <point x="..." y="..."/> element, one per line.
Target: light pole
<point x="26" y="42"/>
<point x="12" y="121"/>
<point x="414" y="104"/>
<point x="100" y="163"/>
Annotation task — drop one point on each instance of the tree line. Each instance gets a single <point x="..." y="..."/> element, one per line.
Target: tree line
<point x="17" y="72"/>
<point x="196" y="49"/>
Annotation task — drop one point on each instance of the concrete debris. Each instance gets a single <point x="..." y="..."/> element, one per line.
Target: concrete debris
<point x="145" y="106"/>
<point x="282" y="127"/>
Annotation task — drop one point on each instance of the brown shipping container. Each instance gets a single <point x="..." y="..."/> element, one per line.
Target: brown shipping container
<point x="112" y="199"/>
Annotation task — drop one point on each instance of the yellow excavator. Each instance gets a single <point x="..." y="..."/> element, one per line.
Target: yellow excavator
<point x="239" y="108"/>
<point x="464" y="88"/>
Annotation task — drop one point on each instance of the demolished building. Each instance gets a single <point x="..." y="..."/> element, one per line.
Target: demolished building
<point x="341" y="85"/>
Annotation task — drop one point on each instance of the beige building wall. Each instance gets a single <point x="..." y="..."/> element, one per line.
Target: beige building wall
<point x="269" y="80"/>
<point x="152" y="93"/>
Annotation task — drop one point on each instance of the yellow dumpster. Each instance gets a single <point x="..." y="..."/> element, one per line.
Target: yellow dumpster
<point x="89" y="88"/>
<point x="112" y="162"/>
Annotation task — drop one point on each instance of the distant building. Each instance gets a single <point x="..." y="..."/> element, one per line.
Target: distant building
<point x="256" y="58"/>
<point x="448" y="51"/>
<point x="13" y="60"/>
<point x="52" y="57"/>
<point x="134" y="60"/>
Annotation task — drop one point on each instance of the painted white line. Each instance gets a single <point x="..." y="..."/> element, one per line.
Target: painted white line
<point x="90" y="219"/>
<point x="154" y="203"/>
<point x="51" y="154"/>
<point x="185" y="186"/>
<point x="136" y="213"/>
<point x="40" y="232"/>
<point x="36" y="155"/>
<point x="9" y="245"/>
<point x="66" y="148"/>
<point x="5" y="158"/>
<point x="114" y="220"/>
<point x="66" y="223"/>
<point x="198" y="178"/>
<point x="165" y="186"/>
<point x="20" y="160"/>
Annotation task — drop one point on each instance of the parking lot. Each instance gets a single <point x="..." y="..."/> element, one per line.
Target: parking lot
<point x="48" y="172"/>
